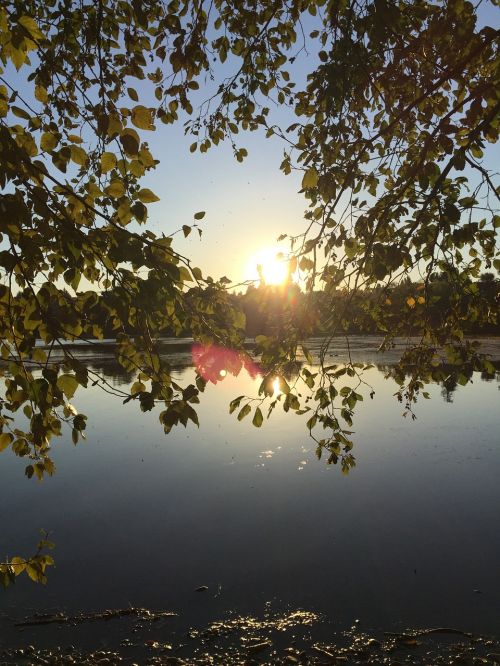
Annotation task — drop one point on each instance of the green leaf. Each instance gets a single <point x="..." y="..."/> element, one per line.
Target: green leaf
<point x="244" y="411"/>
<point x="257" y="418"/>
<point x="200" y="215"/>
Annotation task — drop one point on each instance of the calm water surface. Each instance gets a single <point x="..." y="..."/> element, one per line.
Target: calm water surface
<point x="410" y="537"/>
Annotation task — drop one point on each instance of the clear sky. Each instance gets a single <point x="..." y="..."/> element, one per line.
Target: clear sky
<point x="248" y="205"/>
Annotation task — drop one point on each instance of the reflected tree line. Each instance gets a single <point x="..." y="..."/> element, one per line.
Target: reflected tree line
<point x="108" y="367"/>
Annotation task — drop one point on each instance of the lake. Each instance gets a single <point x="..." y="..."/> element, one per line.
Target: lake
<point x="411" y="537"/>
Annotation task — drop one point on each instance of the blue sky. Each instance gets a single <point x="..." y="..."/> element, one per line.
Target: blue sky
<point x="247" y="204"/>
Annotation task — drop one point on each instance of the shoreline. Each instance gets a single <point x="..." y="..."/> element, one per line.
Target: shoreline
<point x="141" y="636"/>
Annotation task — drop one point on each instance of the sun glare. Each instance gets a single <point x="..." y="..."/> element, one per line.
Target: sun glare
<point x="270" y="266"/>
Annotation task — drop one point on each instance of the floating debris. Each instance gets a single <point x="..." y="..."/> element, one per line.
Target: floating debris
<point x="143" y="614"/>
<point x="259" y="647"/>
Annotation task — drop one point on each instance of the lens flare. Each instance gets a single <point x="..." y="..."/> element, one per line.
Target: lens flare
<point x="213" y="363"/>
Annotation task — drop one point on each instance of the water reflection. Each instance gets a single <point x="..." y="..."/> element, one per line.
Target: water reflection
<point x="141" y="519"/>
<point x="215" y="363"/>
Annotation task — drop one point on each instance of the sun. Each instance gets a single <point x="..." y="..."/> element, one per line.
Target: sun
<point x="270" y="266"/>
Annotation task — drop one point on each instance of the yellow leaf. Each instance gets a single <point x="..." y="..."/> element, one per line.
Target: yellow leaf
<point x="30" y="25"/>
<point x="48" y="141"/>
<point x="18" y="564"/>
<point x="41" y="94"/>
<point x="144" y="155"/>
<point x="78" y="155"/>
<point x="410" y="301"/>
<point x="108" y="162"/>
<point x="114" y="125"/>
<point x="132" y="93"/>
<point x="136" y="168"/>
<point x="70" y="410"/>
<point x="4" y="98"/>
<point x="142" y="117"/>
<point x="34" y="573"/>
<point x="67" y="384"/>
<point x="18" y="57"/>
<point x="137" y="387"/>
<point x="421" y="300"/>
<point x="5" y="440"/>
<point x="115" y="189"/>
<point x="310" y="179"/>
<point x="130" y="141"/>
<point x="146" y="196"/>
<point x="39" y="355"/>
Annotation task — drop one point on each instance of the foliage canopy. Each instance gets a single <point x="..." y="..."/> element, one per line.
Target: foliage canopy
<point x="390" y="134"/>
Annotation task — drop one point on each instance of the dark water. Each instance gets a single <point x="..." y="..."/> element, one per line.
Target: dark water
<point x="410" y="537"/>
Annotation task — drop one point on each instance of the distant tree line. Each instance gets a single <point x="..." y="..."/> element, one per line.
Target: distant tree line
<point x="275" y="310"/>
<point x="378" y="310"/>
